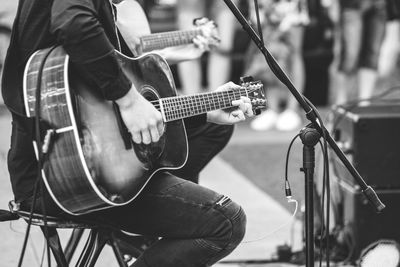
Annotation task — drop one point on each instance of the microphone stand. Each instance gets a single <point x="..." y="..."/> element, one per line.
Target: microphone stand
<point x="321" y="130"/>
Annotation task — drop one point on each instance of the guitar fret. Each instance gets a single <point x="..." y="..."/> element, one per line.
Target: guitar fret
<point x="180" y="107"/>
<point x="170" y="111"/>
<point x="202" y="104"/>
<point x="226" y="98"/>
<point x="165" y="108"/>
<point x="192" y="102"/>
<point x="173" y="109"/>
<point x="167" y="39"/>
<point x="218" y="100"/>
<point x="196" y="104"/>
<point x="188" y="109"/>
<point x="184" y="106"/>
<point x="209" y="103"/>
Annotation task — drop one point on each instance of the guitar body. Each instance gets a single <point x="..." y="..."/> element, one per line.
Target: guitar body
<point x="89" y="166"/>
<point x="132" y="23"/>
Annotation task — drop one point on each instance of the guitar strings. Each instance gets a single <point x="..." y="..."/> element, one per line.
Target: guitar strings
<point x="187" y="101"/>
<point x="195" y="97"/>
<point x="224" y="96"/>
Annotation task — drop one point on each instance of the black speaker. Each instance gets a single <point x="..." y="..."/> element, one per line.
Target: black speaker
<point x="362" y="225"/>
<point x="370" y="138"/>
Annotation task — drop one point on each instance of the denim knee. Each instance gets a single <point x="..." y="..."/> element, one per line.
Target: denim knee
<point x="231" y="231"/>
<point x="238" y="229"/>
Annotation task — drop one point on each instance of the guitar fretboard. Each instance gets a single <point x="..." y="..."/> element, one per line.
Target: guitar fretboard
<point x="167" y="39"/>
<point x="180" y="107"/>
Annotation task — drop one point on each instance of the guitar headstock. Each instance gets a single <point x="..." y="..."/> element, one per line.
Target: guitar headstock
<point x="255" y="92"/>
<point x="209" y="30"/>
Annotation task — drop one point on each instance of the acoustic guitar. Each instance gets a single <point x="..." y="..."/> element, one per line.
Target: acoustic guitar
<point x="91" y="165"/>
<point x="134" y="27"/>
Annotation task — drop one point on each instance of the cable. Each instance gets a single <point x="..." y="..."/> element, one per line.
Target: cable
<point x="41" y="157"/>
<point x="290" y="200"/>
<point x="288" y="194"/>
<point x="326" y="178"/>
<point x="322" y="217"/>
<point x="287" y="185"/>
<point x="42" y="257"/>
<point x="21" y="257"/>
<point x="15" y="230"/>
<point x="325" y="188"/>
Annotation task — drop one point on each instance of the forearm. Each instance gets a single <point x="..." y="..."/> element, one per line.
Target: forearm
<point x="174" y="55"/>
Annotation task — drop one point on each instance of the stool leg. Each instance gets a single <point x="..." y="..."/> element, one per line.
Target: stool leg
<point x="117" y="251"/>
<point x="94" y="245"/>
<point x="73" y="242"/>
<point x="55" y="245"/>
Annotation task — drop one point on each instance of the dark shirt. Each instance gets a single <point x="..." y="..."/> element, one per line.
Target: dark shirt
<point x="86" y="30"/>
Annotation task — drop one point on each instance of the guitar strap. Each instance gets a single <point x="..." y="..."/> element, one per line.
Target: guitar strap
<point x="114" y="14"/>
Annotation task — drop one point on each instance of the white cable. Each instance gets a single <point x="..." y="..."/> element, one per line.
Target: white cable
<point x="290" y="200"/>
<point x="115" y="25"/>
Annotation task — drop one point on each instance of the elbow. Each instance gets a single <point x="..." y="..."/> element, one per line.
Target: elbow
<point x="63" y="32"/>
<point x="73" y="28"/>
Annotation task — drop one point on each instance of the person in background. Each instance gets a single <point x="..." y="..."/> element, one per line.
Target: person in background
<point x="283" y="25"/>
<point x="390" y="47"/>
<point x="362" y="29"/>
<point x="190" y="73"/>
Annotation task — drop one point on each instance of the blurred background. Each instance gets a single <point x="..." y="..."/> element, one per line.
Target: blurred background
<point x="343" y="55"/>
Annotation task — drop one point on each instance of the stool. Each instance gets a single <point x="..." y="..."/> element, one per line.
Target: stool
<point x="99" y="236"/>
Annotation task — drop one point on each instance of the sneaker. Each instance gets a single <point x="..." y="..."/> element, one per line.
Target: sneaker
<point x="265" y="121"/>
<point x="288" y="120"/>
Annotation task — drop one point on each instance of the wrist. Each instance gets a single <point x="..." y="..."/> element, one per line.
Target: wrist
<point x="128" y="99"/>
<point x="210" y="117"/>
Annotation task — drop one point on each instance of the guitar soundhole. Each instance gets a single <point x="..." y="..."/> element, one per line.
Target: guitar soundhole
<point x="149" y="154"/>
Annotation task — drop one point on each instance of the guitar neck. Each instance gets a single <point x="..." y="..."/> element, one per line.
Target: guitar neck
<point x="180" y="107"/>
<point x="167" y="39"/>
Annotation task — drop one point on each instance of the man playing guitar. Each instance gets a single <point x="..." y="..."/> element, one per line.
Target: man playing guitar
<point x="198" y="226"/>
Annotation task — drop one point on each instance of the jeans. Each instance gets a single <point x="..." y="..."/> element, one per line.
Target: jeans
<point x="204" y="143"/>
<point x="198" y="226"/>
<point x="362" y="32"/>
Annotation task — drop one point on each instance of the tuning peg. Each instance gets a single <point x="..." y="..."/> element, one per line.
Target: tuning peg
<point x="246" y="79"/>
<point x="200" y="21"/>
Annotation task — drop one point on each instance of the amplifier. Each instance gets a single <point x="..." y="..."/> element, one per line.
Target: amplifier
<point x="362" y="225"/>
<point x="370" y="138"/>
